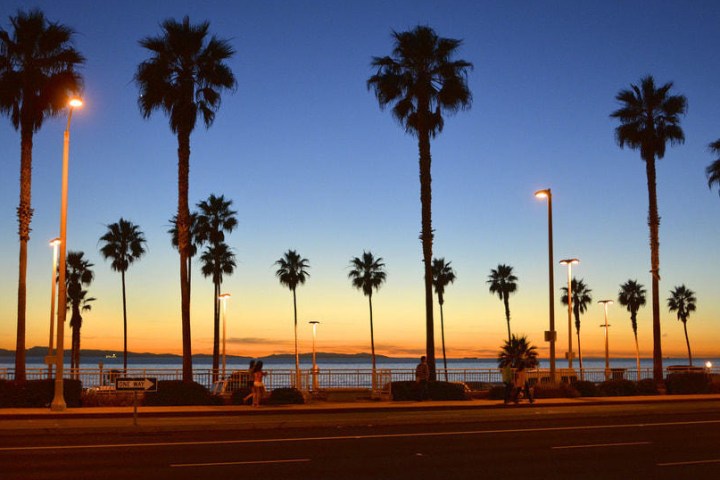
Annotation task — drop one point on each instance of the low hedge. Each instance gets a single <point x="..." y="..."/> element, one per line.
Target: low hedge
<point x="687" y="383"/>
<point x="587" y="389"/>
<point x="238" y="395"/>
<point x="618" y="388"/>
<point x="555" y="390"/>
<point x="37" y="393"/>
<point x="92" y="398"/>
<point x="177" y="392"/>
<point x="409" y="390"/>
<point x="647" y="386"/>
<point x="285" y="396"/>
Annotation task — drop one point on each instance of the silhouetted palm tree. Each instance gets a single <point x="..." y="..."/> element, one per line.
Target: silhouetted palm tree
<point x="293" y="272"/>
<point x="518" y="353"/>
<point x="214" y="219"/>
<point x="632" y="297"/>
<point x="650" y="118"/>
<point x="443" y="275"/>
<point x="581" y="298"/>
<point x="184" y="77"/>
<point x="503" y="283"/>
<point x="124" y="244"/>
<point x="37" y="76"/>
<point x="193" y="246"/>
<point x="79" y="275"/>
<point x="682" y="300"/>
<point x="368" y="273"/>
<point x="217" y="261"/>
<point x="713" y="170"/>
<point x="421" y="81"/>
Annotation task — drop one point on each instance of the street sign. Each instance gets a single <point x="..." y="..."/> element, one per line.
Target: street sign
<point x="148" y="384"/>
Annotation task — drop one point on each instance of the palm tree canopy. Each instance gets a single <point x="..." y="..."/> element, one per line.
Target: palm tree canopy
<point x="649" y="118"/>
<point x="682" y="300"/>
<point x="217" y="260"/>
<point x="367" y="273"/>
<point x="37" y="69"/>
<point x="185" y="75"/>
<point x="421" y="79"/>
<point x="443" y="275"/>
<point x="502" y="281"/>
<point x="79" y="274"/>
<point x="581" y="295"/>
<point x="292" y="269"/>
<point x="124" y="243"/>
<point x="518" y="353"/>
<point x="214" y="219"/>
<point x="713" y="170"/>
<point x="631" y="295"/>
<point x="194" y="233"/>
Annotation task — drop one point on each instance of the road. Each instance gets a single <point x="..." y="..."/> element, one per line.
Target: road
<point x="664" y="441"/>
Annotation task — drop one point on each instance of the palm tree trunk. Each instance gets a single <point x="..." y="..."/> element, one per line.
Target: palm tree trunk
<point x="687" y="341"/>
<point x="216" y="331"/>
<point x="183" y="225"/>
<point x="122" y="276"/>
<point x="372" y="343"/>
<point x="637" y="355"/>
<point x="297" y="355"/>
<point x="442" y="333"/>
<point x="654" y="224"/>
<point x="506" y="302"/>
<point x="24" y="214"/>
<point x="576" y="311"/>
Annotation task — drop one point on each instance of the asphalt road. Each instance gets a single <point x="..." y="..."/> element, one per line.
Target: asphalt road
<point x="666" y="441"/>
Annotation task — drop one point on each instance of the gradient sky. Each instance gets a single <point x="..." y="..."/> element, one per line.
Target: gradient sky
<point x="311" y="163"/>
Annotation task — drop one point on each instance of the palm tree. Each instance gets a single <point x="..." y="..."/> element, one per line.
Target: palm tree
<point x="650" y="118"/>
<point x="713" y="170"/>
<point x="503" y="283"/>
<point x="443" y="275"/>
<point x="37" y="74"/>
<point x="293" y="272"/>
<point x="124" y="244"/>
<point x="421" y="81"/>
<point x="79" y="275"/>
<point x="632" y="297"/>
<point x="214" y="219"/>
<point x="184" y="77"/>
<point x="682" y="300"/>
<point x="518" y="353"/>
<point x="217" y="261"/>
<point x="193" y="245"/>
<point x="581" y="298"/>
<point x="368" y="273"/>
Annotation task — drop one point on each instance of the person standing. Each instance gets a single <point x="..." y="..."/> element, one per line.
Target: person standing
<point x="508" y="378"/>
<point x="422" y="376"/>
<point x="258" y="389"/>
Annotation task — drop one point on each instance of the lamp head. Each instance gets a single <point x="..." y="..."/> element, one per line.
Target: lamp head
<point x="545" y="193"/>
<point x="224" y="296"/>
<point x="55" y="242"/>
<point x="569" y="261"/>
<point x="75" y="102"/>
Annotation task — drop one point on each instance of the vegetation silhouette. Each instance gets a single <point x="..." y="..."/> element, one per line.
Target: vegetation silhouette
<point x="193" y="246"/>
<point x="632" y="297"/>
<point x="292" y="272"/>
<point x="503" y="283"/>
<point x="713" y="170"/>
<point x="581" y="297"/>
<point x="682" y="300"/>
<point x="37" y="77"/>
<point x="443" y="275"/>
<point x="518" y="353"/>
<point x="79" y="275"/>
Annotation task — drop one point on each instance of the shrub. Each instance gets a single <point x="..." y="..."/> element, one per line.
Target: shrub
<point x="237" y="396"/>
<point x="92" y="398"/>
<point x="177" y="392"/>
<point x="38" y="393"/>
<point x="555" y="390"/>
<point x="647" y="386"/>
<point x="285" y="396"/>
<point x="409" y="390"/>
<point x="586" y="389"/>
<point x="497" y="393"/>
<point x="618" y="388"/>
<point x="687" y="383"/>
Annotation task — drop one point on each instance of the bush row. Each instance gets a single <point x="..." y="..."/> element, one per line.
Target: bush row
<point x="37" y="393"/>
<point x="404" y="391"/>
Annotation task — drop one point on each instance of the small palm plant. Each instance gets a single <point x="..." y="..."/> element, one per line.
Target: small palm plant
<point x="713" y="170"/>
<point x="79" y="275"/>
<point x="581" y="298"/>
<point x="518" y="353"/>
<point x="503" y="283"/>
<point x="682" y="300"/>
<point x="632" y="297"/>
<point x="193" y="246"/>
<point x="443" y="275"/>
<point x="292" y="272"/>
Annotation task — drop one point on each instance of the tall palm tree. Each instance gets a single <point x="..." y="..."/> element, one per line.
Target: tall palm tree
<point x="217" y="260"/>
<point x="713" y="170"/>
<point x="518" y="353"/>
<point x="184" y="77"/>
<point x="682" y="300"/>
<point x="632" y="297"/>
<point x="503" y="283"/>
<point x="124" y="243"/>
<point x="422" y="81"/>
<point x="79" y="275"/>
<point x="649" y="118"/>
<point x="37" y="74"/>
<point x="443" y="275"/>
<point x="192" y="246"/>
<point x="215" y="217"/>
<point x="581" y="298"/>
<point x="293" y="271"/>
<point x="368" y="274"/>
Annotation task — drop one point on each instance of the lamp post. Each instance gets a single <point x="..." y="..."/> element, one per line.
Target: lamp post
<point x="58" y="402"/>
<point x="551" y="335"/>
<point x="223" y="297"/>
<point x="569" y="262"/>
<point x="315" y="369"/>
<point x="55" y="242"/>
<point x="605" y="304"/>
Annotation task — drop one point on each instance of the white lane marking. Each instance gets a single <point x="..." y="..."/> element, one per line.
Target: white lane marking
<point x="697" y="462"/>
<point x="359" y="437"/>
<point x="626" y="444"/>
<point x="251" y="462"/>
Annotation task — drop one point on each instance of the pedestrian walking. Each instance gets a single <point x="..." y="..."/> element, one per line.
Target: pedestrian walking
<point x="422" y="376"/>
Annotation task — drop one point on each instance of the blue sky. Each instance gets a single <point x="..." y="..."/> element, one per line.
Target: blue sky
<point x="313" y="164"/>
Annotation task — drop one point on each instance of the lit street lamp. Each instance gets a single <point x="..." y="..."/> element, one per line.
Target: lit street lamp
<point x="551" y="335"/>
<point x="58" y="402"/>
<point x="315" y="369"/>
<point x="223" y="297"/>
<point x="569" y="262"/>
<point x="55" y="242"/>
<point x="607" y="341"/>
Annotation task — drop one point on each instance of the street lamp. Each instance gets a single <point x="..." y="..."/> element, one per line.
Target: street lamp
<point x="55" y="242"/>
<point x="58" y="403"/>
<point x="315" y="369"/>
<point x="605" y="304"/>
<point x="223" y="297"/>
<point x="569" y="262"/>
<point x="551" y="335"/>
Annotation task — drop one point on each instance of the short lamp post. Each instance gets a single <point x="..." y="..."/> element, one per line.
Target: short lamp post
<point x="550" y="335"/>
<point x="223" y="298"/>
<point x="315" y="369"/>
<point x="569" y="262"/>
<point x="605" y="304"/>
<point x="54" y="243"/>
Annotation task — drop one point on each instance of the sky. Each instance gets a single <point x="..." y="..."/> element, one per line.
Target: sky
<point x="312" y="163"/>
